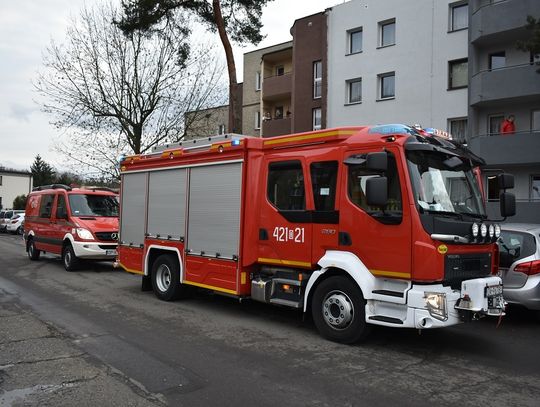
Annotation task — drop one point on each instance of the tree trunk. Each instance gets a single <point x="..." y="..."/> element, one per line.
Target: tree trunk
<point x="231" y="66"/>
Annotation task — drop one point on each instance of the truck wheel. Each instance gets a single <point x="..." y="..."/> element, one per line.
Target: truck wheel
<point x="33" y="253"/>
<point x="338" y="309"/>
<point x="71" y="262"/>
<point x="166" y="278"/>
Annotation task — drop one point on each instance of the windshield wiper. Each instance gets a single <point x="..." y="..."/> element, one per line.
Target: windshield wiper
<point x="457" y="215"/>
<point x="474" y="215"/>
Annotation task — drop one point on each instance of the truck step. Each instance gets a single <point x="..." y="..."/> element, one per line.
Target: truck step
<point x="388" y="320"/>
<point x="287" y="303"/>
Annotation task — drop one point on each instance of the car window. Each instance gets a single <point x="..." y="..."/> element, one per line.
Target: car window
<point x="514" y="246"/>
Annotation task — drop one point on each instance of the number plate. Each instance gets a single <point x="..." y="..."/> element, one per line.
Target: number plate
<point x="110" y="252"/>
<point x="494" y="291"/>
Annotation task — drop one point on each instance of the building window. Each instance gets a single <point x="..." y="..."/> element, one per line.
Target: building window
<point x="535" y="187"/>
<point x="458" y="129"/>
<point x="355" y="41"/>
<point x="285" y="188"/>
<point x="497" y="60"/>
<point x="457" y="74"/>
<point x="258" y="81"/>
<point x="459" y="16"/>
<point x="280" y="70"/>
<point x="0" y="180"/>
<point x="387" y="85"/>
<point x="257" y="120"/>
<point x="317" y="118"/>
<point x="495" y="123"/>
<point x="354" y="91"/>
<point x="387" y="33"/>
<point x="317" y="79"/>
<point x="535" y="124"/>
<point x="221" y="129"/>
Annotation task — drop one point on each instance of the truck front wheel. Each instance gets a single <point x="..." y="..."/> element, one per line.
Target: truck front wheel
<point x="338" y="310"/>
<point x="166" y="278"/>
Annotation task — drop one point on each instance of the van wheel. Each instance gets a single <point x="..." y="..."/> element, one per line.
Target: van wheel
<point x="33" y="253"/>
<point x="71" y="262"/>
<point x="338" y="310"/>
<point x="166" y="278"/>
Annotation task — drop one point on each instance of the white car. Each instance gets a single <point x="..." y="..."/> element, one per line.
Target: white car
<point x="16" y="224"/>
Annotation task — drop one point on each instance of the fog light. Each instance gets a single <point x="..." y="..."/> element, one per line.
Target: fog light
<point x="491" y="231"/>
<point x="483" y="230"/>
<point x="436" y="305"/>
<point x="497" y="231"/>
<point x="475" y="229"/>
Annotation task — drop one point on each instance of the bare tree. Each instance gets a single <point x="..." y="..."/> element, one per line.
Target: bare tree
<point x="117" y="94"/>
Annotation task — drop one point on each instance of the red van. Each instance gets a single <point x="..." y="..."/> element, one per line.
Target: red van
<point x="75" y="223"/>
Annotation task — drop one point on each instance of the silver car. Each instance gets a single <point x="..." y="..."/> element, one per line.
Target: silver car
<point x="519" y="263"/>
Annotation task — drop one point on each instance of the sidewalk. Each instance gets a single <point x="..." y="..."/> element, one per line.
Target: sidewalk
<point x="40" y="366"/>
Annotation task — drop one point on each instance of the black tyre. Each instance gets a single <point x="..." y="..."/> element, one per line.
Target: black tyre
<point x="20" y="230"/>
<point x="338" y="309"/>
<point x="166" y="278"/>
<point x="33" y="253"/>
<point x="71" y="262"/>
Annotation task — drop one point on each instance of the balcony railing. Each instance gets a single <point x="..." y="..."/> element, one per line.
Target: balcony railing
<point x="276" y="127"/>
<point x="277" y="87"/>
<point x="521" y="147"/>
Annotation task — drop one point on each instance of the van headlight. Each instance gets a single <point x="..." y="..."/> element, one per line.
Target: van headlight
<point x="84" y="234"/>
<point x="436" y="305"/>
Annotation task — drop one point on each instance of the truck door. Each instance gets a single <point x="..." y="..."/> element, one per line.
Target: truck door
<point x="285" y="217"/>
<point x="380" y="237"/>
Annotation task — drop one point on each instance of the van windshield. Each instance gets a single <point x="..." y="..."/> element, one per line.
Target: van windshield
<point x="93" y="205"/>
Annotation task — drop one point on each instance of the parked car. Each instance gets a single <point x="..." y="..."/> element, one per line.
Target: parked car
<point x="5" y="216"/>
<point x="519" y="264"/>
<point x="75" y="223"/>
<point x="16" y="224"/>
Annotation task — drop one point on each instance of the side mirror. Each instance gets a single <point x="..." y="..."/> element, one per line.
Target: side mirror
<point x="508" y="203"/>
<point x="505" y="181"/>
<point x="377" y="191"/>
<point x="377" y="162"/>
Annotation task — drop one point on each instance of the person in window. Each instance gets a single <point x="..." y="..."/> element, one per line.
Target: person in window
<point x="508" y="126"/>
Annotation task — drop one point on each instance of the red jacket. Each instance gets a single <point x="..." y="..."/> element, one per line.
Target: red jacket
<point x="508" y="127"/>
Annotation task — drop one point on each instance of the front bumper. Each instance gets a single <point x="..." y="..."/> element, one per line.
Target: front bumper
<point x="528" y="295"/>
<point x="95" y="250"/>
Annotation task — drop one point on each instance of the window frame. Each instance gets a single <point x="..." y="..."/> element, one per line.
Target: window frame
<point x="531" y="186"/>
<point x="451" y="8"/>
<point x="380" y="80"/>
<point x="350" y="34"/>
<point x="334" y="172"/>
<point x="317" y="80"/>
<point x="42" y="205"/>
<point x="258" y="120"/>
<point x="493" y="116"/>
<point x="313" y="118"/>
<point x="455" y="119"/>
<point x="278" y="69"/>
<point x="533" y="129"/>
<point x="452" y="63"/>
<point x="258" y="81"/>
<point x="382" y="25"/>
<point x="284" y="163"/>
<point x="496" y="54"/>
<point x="348" y="86"/>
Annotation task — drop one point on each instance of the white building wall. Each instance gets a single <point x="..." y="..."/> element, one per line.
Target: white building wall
<point x="423" y="47"/>
<point x="13" y="185"/>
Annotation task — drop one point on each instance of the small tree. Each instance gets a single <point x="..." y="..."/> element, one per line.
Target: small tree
<point x="19" y="202"/>
<point x="42" y="172"/>
<point x="532" y="44"/>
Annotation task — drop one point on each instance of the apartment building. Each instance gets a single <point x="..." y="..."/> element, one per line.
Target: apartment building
<point x="12" y="184"/>
<point x="505" y="81"/>
<point x="398" y="62"/>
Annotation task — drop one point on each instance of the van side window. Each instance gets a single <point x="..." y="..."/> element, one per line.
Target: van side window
<point x="45" y="209"/>
<point x="285" y="189"/>
<point x="61" y="211"/>
<point x="323" y="182"/>
<point x="359" y="174"/>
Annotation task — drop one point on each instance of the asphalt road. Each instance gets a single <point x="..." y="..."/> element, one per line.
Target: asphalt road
<point x="214" y="351"/>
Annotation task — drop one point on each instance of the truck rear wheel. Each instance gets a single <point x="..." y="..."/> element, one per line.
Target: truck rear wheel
<point x="166" y="278"/>
<point x="338" y="310"/>
<point x="33" y="253"/>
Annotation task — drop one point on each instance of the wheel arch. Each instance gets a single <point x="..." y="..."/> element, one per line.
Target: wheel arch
<point x="154" y="251"/>
<point x="340" y="263"/>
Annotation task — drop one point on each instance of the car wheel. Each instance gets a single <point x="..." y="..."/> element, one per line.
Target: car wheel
<point x="338" y="310"/>
<point x="20" y="230"/>
<point x="33" y="253"/>
<point x="71" y="262"/>
<point x="166" y="278"/>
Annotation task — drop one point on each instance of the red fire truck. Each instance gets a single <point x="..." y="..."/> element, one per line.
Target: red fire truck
<point x="379" y="225"/>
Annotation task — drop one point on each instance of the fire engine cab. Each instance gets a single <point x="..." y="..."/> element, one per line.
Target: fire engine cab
<point x="379" y="225"/>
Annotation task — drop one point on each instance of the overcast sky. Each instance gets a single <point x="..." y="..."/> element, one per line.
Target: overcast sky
<point x="27" y="27"/>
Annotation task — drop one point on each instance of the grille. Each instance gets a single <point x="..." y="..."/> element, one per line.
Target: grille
<point x="107" y="236"/>
<point x="460" y="267"/>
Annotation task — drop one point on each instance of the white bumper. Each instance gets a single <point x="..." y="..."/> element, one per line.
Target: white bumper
<point x="470" y="301"/>
<point x="97" y="251"/>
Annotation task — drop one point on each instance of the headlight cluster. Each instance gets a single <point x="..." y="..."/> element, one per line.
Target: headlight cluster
<point x="436" y="305"/>
<point x="483" y="230"/>
<point x="84" y="234"/>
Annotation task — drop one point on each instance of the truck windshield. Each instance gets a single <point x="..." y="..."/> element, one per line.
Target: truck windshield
<point x="93" y="205"/>
<point x="444" y="184"/>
